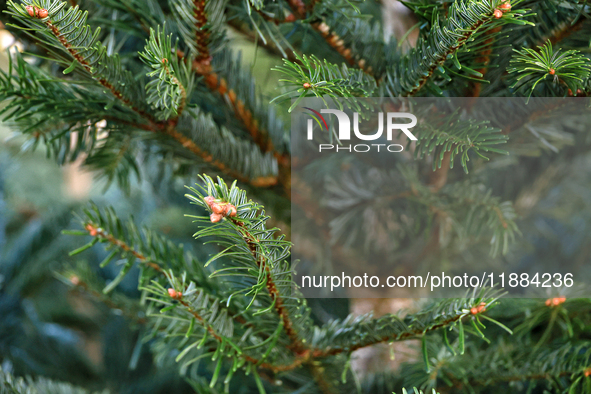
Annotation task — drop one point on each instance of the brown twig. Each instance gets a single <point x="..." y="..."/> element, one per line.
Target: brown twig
<point x="296" y="343"/>
<point x="338" y="45"/>
<point x="82" y="61"/>
<point x="483" y="59"/>
<point x="201" y="33"/>
<point x="465" y="37"/>
<point x="167" y="128"/>
<point x="249" y="359"/>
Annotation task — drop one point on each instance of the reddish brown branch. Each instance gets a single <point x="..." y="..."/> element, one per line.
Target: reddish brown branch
<point x="80" y="59"/>
<point x="260" y="136"/>
<point x="154" y="125"/>
<point x="469" y="32"/>
<point x="338" y="45"/>
<point x="296" y="343"/>
<point x="484" y="59"/>
<point x="201" y="33"/>
<point x="298" y="7"/>
<point x="95" y="231"/>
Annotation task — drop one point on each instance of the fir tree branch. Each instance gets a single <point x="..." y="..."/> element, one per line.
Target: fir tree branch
<point x="166" y="92"/>
<point x="484" y="59"/>
<point x="202" y="66"/>
<point x="84" y="62"/>
<point x="569" y="68"/>
<point x="261" y="248"/>
<point x="203" y="59"/>
<point x="298" y="361"/>
<point x="340" y="337"/>
<point x="218" y="84"/>
<point x="464" y="22"/>
<point x="332" y="38"/>
<point x="91" y="56"/>
<point x="99" y="233"/>
<point x="259" y="256"/>
<point x="107" y="219"/>
<point x="338" y="44"/>
<point x="208" y="316"/>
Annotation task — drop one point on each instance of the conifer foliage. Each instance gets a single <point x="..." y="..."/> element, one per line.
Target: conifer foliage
<point x="152" y="89"/>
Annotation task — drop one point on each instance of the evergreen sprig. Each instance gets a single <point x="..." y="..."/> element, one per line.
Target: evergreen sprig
<point x="531" y="67"/>
<point x="355" y="333"/>
<point x="311" y="77"/>
<point x="436" y="53"/>
<point x="256" y="252"/>
<point x="168" y="92"/>
<point x="459" y="137"/>
<point x="201" y="26"/>
<point x="241" y="308"/>
<point x="238" y="318"/>
<point x="65" y="32"/>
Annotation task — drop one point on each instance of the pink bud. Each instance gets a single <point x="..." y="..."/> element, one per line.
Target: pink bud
<point x="215" y="217"/>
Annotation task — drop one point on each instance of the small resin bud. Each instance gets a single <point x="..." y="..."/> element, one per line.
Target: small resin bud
<point x="42" y="13"/>
<point x="91" y="230"/>
<point x="505" y="7"/>
<point x="552" y="71"/>
<point x="209" y="200"/>
<point x="174" y="294"/>
<point x="215" y="217"/>
<point x="498" y="14"/>
<point x="232" y="212"/>
<point x="74" y="280"/>
<point x="30" y="10"/>
<point x="307" y="85"/>
<point x="217" y="208"/>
